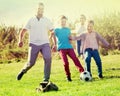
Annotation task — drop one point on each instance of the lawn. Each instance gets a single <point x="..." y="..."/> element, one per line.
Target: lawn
<point x="109" y="86"/>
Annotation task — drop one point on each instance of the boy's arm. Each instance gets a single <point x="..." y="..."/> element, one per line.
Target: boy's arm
<point x="76" y="37"/>
<point x="102" y="40"/>
<point x="21" y="36"/>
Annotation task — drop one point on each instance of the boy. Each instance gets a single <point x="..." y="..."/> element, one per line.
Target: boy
<point x="90" y="43"/>
<point x="65" y="48"/>
<point x="80" y="29"/>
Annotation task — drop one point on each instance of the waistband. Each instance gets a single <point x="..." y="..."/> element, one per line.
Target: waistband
<point x="91" y="49"/>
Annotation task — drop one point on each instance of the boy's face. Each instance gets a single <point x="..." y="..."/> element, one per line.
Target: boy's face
<point x="63" y="22"/>
<point x="40" y="10"/>
<point x="90" y="27"/>
<point x="82" y="19"/>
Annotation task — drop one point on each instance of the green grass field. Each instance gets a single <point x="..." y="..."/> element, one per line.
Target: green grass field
<point x="109" y="86"/>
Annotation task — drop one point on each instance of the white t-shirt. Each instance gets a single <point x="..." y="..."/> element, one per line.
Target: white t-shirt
<point x="38" y="30"/>
<point x="80" y="29"/>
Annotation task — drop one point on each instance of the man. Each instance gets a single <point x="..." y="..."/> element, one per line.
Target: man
<point x="38" y="28"/>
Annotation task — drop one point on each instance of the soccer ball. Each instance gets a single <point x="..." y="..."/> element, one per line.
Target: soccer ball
<point x="85" y="76"/>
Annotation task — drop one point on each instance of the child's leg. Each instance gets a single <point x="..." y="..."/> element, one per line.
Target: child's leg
<point x="78" y="47"/>
<point x="87" y="57"/>
<point x="77" y="63"/>
<point x="63" y="55"/>
<point x="97" y="59"/>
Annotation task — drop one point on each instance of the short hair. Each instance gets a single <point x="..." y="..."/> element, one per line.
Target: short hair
<point x="82" y="15"/>
<point x="91" y="22"/>
<point x="63" y="17"/>
<point x="40" y="4"/>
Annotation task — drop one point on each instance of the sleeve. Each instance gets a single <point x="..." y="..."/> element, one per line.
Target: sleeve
<point x="50" y="25"/>
<point x="28" y="25"/>
<point x="102" y="40"/>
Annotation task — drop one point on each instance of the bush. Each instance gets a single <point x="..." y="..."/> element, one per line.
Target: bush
<point x="107" y="25"/>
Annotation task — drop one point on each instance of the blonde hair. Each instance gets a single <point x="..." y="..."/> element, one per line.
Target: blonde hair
<point x="91" y="22"/>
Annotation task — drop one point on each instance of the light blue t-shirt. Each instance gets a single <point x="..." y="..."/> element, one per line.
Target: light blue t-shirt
<point x="62" y="35"/>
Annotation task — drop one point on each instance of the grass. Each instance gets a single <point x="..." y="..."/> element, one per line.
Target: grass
<point x="109" y="86"/>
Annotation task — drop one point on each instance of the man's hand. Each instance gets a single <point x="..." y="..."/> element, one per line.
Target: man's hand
<point x="20" y="44"/>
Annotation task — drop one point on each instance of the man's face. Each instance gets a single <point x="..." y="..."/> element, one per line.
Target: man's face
<point x="40" y="10"/>
<point x="90" y="27"/>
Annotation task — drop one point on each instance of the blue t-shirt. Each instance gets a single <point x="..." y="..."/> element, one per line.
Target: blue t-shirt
<point x="62" y="35"/>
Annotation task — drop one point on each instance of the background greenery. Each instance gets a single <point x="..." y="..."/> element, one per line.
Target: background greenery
<point x="107" y="25"/>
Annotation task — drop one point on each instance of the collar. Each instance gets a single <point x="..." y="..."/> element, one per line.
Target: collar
<point x="39" y="18"/>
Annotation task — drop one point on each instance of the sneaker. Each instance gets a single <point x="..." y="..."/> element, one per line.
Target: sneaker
<point x="101" y="77"/>
<point x="20" y="75"/>
<point x="69" y="79"/>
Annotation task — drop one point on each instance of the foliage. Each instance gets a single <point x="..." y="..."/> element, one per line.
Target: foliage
<point x="8" y="44"/>
<point x="107" y="25"/>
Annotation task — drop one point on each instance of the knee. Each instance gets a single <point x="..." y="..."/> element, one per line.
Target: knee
<point x="99" y="63"/>
<point x="66" y="65"/>
<point x="30" y="64"/>
<point x="47" y="59"/>
<point x="74" y="58"/>
<point x="27" y="67"/>
<point x="87" y="59"/>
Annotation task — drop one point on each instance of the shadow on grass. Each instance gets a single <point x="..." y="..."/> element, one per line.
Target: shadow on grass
<point x="53" y="91"/>
<point x="111" y="77"/>
<point x="112" y="69"/>
<point x="105" y="77"/>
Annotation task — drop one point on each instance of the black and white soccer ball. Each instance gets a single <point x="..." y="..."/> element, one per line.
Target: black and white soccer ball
<point x="85" y="76"/>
